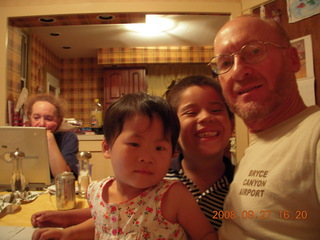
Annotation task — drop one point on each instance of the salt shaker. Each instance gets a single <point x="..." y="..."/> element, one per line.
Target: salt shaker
<point x="84" y="177"/>
<point x="18" y="181"/>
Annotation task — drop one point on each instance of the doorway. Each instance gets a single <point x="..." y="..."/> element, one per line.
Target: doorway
<point x="53" y="85"/>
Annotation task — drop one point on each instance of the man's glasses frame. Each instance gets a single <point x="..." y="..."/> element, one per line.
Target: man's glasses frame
<point x="252" y="52"/>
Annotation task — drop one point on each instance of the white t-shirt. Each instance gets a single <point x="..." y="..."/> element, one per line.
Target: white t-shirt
<point x="275" y="193"/>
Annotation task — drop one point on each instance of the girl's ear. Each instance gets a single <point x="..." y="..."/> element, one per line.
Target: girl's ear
<point x="105" y="149"/>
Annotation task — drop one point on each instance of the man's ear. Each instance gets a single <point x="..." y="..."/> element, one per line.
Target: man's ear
<point x="105" y="149"/>
<point x="295" y="61"/>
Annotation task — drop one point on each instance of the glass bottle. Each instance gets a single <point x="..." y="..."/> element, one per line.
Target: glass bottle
<point x="96" y="117"/>
<point x="18" y="181"/>
<point x="84" y="177"/>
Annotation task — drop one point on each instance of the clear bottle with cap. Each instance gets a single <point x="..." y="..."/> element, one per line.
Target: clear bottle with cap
<point x="18" y="181"/>
<point x="84" y="177"/>
<point x="96" y="117"/>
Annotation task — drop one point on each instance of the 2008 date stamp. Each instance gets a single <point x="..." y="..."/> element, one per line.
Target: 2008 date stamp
<point x="263" y="214"/>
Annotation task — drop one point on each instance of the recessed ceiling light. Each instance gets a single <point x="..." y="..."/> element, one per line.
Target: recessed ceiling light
<point x="46" y="19"/>
<point x="55" y="34"/>
<point x="105" y="17"/>
<point x="155" y="24"/>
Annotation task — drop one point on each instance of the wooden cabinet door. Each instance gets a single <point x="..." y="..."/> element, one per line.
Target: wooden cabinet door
<point x="136" y="81"/>
<point x="119" y="82"/>
<point x="113" y="85"/>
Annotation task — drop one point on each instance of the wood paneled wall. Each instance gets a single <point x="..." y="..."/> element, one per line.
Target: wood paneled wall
<point x="299" y="29"/>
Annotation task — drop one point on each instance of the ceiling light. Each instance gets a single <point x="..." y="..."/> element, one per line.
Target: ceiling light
<point x="55" y="34"/>
<point x="46" y="19"/>
<point x="105" y="17"/>
<point x="154" y="25"/>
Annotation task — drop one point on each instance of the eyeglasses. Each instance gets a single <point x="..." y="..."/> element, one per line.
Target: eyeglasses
<point x="252" y="52"/>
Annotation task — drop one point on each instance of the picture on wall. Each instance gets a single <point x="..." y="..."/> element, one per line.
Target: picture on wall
<point x="301" y="9"/>
<point x="305" y="76"/>
<point x="304" y="48"/>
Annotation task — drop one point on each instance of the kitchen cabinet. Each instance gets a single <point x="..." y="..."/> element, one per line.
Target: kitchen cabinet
<point x="121" y="81"/>
<point x="102" y="167"/>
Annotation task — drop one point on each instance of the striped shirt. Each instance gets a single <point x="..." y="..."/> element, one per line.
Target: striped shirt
<point x="213" y="198"/>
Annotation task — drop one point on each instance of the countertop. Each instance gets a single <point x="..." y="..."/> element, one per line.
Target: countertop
<point x="22" y="216"/>
<point x="83" y="137"/>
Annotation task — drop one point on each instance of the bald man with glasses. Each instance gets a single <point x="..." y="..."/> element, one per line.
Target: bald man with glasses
<point x="275" y="193"/>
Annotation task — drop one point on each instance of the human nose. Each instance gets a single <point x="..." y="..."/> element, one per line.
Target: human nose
<point x="205" y="116"/>
<point x="42" y="122"/>
<point x="146" y="156"/>
<point x="240" y="69"/>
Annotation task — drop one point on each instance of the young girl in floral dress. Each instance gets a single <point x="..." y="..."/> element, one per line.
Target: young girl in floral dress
<point x="140" y="138"/>
<point x="141" y="132"/>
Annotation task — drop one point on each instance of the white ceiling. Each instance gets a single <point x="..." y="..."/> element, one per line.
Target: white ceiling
<point x="84" y="40"/>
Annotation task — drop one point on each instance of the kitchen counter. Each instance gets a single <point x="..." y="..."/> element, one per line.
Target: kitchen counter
<point x="83" y="137"/>
<point x="101" y="167"/>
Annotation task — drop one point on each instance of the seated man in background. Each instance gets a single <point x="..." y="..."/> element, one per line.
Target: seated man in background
<point x="47" y="111"/>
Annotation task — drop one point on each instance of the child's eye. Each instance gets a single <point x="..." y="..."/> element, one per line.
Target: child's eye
<point x="217" y="110"/>
<point x="134" y="144"/>
<point x="160" y="148"/>
<point x="189" y="113"/>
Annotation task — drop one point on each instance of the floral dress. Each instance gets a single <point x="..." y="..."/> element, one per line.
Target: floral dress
<point x="136" y="218"/>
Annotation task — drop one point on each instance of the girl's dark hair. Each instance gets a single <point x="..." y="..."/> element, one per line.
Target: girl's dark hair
<point x="174" y="93"/>
<point x="134" y="104"/>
